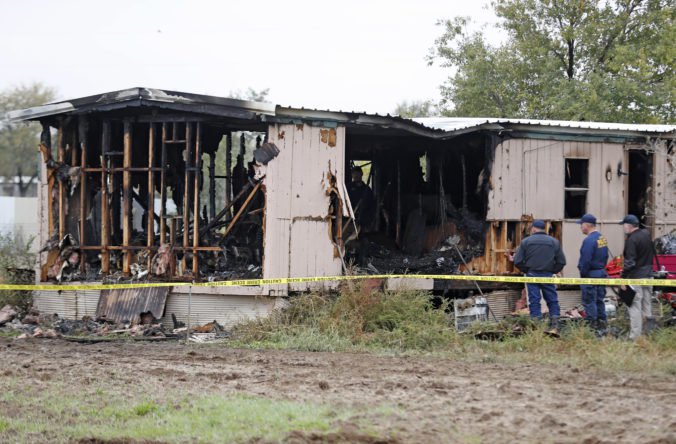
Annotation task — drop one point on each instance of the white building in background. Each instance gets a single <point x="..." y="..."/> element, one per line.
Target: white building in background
<point x="18" y="214"/>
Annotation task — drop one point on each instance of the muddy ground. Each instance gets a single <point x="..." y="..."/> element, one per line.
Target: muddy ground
<point x="430" y="399"/>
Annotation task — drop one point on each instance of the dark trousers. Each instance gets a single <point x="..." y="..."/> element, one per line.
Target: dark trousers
<point x="547" y="291"/>
<point x="593" y="296"/>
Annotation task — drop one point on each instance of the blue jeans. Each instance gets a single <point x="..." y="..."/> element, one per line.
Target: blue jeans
<point x="547" y="291"/>
<point x="592" y="298"/>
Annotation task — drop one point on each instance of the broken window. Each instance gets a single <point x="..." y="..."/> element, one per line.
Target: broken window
<point x="576" y="187"/>
<point x="165" y="197"/>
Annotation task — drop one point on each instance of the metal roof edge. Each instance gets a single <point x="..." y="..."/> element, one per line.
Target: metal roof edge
<point x="357" y="118"/>
<point x="458" y="125"/>
<point x="592" y="132"/>
<point x="433" y="127"/>
<point x="39" y="111"/>
<point x="144" y="96"/>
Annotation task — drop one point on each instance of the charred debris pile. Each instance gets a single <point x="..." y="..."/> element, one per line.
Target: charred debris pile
<point x="428" y="203"/>
<point x="35" y="324"/>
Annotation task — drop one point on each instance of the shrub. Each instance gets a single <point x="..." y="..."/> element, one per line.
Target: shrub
<point x="353" y="318"/>
<point x="16" y="267"/>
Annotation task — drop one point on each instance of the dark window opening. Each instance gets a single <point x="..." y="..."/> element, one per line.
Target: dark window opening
<point x="640" y="178"/>
<point x="576" y="188"/>
<point x="576" y="204"/>
<point x="577" y="173"/>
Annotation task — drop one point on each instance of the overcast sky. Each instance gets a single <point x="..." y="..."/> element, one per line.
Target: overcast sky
<point x="349" y="55"/>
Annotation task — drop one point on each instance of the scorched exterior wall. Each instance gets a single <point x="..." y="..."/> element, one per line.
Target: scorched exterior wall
<point x="297" y="240"/>
<point x="664" y="184"/>
<point x="528" y="179"/>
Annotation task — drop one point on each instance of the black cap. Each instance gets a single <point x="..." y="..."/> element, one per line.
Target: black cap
<point x="630" y="219"/>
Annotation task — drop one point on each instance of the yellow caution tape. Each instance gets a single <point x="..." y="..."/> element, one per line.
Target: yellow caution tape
<point x="295" y="280"/>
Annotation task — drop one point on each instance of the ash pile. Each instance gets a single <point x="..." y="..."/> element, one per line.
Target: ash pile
<point x="423" y="249"/>
<point x="40" y="325"/>
<point x="51" y="326"/>
<point x="235" y="244"/>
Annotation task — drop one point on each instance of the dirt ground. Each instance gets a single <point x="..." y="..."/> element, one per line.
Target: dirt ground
<point x="431" y="399"/>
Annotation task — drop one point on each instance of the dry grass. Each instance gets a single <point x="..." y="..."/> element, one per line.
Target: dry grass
<point x="353" y="320"/>
<point x="405" y="322"/>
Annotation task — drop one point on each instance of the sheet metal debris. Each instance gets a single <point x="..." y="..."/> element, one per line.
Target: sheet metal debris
<point x="129" y="305"/>
<point x="266" y="153"/>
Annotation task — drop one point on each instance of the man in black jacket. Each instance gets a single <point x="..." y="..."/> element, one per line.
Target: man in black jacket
<point x="638" y="264"/>
<point x="363" y="203"/>
<point x="540" y="255"/>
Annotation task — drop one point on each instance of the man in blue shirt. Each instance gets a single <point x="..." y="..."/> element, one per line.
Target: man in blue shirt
<point x="592" y="264"/>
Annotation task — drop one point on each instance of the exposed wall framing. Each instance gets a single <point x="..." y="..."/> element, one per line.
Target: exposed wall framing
<point x="109" y="189"/>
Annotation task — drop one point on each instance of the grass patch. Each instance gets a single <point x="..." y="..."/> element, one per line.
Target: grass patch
<point x="213" y="419"/>
<point x="354" y="320"/>
<point x="145" y="408"/>
<point x="57" y="416"/>
<point x="405" y="322"/>
<point x="580" y="348"/>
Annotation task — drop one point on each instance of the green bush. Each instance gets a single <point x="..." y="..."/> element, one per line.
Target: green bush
<point x="354" y="318"/>
<point x="16" y="267"/>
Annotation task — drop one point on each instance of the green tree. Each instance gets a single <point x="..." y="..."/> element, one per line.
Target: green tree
<point x="610" y="60"/>
<point x="19" y="141"/>
<point x="416" y="108"/>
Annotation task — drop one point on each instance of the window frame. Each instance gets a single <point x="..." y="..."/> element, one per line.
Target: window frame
<point x="567" y="189"/>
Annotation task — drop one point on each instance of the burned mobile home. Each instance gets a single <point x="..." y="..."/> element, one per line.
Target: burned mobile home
<point x="161" y="185"/>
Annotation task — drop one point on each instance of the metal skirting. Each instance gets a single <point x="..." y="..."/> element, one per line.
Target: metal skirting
<point x="569" y="299"/>
<point x="399" y="284"/>
<point x="226" y="310"/>
<point x="67" y="304"/>
<point x="502" y="303"/>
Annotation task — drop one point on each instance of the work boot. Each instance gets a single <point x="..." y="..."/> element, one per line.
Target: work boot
<point x="601" y="328"/>
<point x="553" y="329"/>
<point x="650" y="325"/>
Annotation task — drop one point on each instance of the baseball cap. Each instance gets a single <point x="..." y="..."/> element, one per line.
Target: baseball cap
<point x="539" y="224"/>
<point x="630" y="219"/>
<point x="587" y="218"/>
